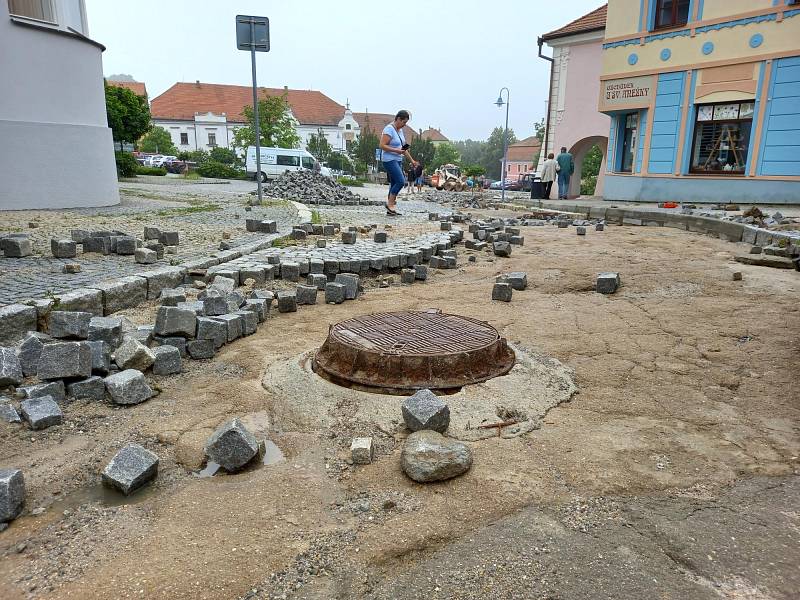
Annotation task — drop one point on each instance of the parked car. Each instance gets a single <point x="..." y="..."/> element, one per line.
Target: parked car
<point x="159" y="162"/>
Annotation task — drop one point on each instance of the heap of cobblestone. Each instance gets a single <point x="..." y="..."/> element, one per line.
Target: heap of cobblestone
<point x="313" y="188"/>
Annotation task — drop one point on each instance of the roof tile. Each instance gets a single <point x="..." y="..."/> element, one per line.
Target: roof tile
<point x="592" y="21"/>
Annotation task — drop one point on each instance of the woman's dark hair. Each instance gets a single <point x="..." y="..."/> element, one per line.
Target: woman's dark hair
<point x="550" y="155"/>
<point x="402" y="114"/>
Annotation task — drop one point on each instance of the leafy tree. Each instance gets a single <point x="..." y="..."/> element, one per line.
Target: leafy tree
<point x="360" y="167"/>
<point x="126" y="164"/>
<point x="128" y="114"/>
<point x="471" y="151"/>
<point x="539" y="129"/>
<point x="339" y="162"/>
<point x="197" y="156"/>
<point x="424" y="151"/>
<point x="445" y="153"/>
<point x="590" y="169"/>
<point x="492" y="156"/>
<point x="157" y="140"/>
<point x="226" y="156"/>
<point x="318" y="146"/>
<point x="474" y="171"/>
<point x="363" y="149"/>
<point x="275" y="121"/>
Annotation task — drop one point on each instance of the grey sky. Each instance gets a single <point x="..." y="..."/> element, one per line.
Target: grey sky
<point x="443" y="61"/>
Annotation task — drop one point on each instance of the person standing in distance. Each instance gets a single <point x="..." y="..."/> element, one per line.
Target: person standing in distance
<point x="565" y="167"/>
<point x="549" y="174"/>
<point x="393" y="147"/>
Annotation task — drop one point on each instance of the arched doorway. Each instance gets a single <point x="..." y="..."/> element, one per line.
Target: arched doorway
<point x="579" y="151"/>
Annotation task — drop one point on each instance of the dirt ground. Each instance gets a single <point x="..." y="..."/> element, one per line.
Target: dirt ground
<point x="672" y="473"/>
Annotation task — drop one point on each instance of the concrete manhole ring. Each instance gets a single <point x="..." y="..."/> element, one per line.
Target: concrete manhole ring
<point x="301" y="400"/>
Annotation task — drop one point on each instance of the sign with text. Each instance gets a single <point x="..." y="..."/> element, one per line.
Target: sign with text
<point x="630" y="92"/>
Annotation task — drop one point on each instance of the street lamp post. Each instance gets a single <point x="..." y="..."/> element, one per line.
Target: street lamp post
<point x="499" y="104"/>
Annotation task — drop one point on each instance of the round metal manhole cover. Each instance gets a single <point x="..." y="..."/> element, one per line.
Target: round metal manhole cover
<point x="406" y="351"/>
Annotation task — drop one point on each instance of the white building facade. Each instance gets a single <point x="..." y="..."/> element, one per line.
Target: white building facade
<point x="58" y="151"/>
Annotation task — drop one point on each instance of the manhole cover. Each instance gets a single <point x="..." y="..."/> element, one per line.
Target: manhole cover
<point x="413" y="350"/>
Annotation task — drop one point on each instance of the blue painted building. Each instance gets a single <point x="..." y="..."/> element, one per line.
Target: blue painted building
<point x="704" y="100"/>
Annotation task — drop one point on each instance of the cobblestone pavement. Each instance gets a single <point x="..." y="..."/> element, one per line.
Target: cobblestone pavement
<point x="200" y="212"/>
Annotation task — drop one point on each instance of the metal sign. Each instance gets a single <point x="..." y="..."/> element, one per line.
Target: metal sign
<point x="252" y="33"/>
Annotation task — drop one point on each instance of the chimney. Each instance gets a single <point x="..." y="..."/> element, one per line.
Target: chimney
<point x="197" y="83"/>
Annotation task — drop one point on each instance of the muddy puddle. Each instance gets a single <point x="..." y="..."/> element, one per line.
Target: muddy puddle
<point x="269" y="455"/>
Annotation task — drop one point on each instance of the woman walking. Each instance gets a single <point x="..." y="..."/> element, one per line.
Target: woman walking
<point x="393" y="147"/>
<point x="549" y="173"/>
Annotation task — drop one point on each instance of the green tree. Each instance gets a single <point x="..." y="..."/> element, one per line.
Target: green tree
<point x="445" y="153"/>
<point x="539" y="129"/>
<point x="275" y="121"/>
<point x="363" y="149"/>
<point x="157" y="140"/>
<point x="339" y="162"/>
<point x="492" y="156"/>
<point x="318" y="146"/>
<point x="226" y="156"/>
<point x="471" y="151"/>
<point x="474" y="171"/>
<point x="128" y="114"/>
<point x="423" y="151"/>
<point x="590" y="170"/>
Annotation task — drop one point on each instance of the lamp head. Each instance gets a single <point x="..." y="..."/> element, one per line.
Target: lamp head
<point x="499" y="102"/>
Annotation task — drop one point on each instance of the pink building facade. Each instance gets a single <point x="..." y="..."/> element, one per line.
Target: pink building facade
<point x="573" y="119"/>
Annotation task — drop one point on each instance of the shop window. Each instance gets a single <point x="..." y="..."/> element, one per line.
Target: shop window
<point x="184" y="139"/>
<point x="721" y="138"/>
<point x="41" y="10"/>
<point x="671" y="13"/>
<point x="628" y="140"/>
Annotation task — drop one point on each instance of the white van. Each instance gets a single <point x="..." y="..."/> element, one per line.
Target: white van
<point x="275" y="161"/>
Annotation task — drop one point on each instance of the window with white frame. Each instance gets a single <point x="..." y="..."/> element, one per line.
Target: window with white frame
<point x="184" y="139"/>
<point x="212" y="139"/>
<point x="41" y="10"/>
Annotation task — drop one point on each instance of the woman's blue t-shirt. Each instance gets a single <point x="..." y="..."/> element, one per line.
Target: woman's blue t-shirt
<point x="396" y="140"/>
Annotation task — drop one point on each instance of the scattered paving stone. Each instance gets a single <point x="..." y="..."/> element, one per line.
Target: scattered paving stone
<point x="755" y="250"/>
<point x="502" y="249"/>
<point x="100" y="245"/>
<point x="8" y="413"/>
<point x="380" y="237"/>
<point x="166" y="360"/>
<point x="169" y="238"/>
<point x="200" y="349"/>
<point x="407" y="275"/>
<point x="350" y="282"/>
<point x="91" y="388"/>
<point x="421" y="272"/>
<point x="128" y="387"/>
<point x="16" y="320"/>
<point x="63" y="360"/>
<point x="607" y="283"/>
<point x="174" y="321"/>
<point x="151" y="233"/>
<point x="71" y="269"/>
<point x="335" y="293"/>
<point x="318" y="280"/>
<point x="106" y="329"/>
<point x="132" y="354"/>
<point x="502" y="292"/>
<point x="231" y="446"/>
<point x="174" y="341"/>
<point x="131" y="468"/>
<point x="30" y="350"/>
<point x="249" y="321"/>
<point x="362" y="451"/>
<point x="290" y="271"/>
<point x="171" y="297"/>
<point x="12" y="494"/>
<point x="322" y="243"/>
<point x="101" y="357"/>
<point x="306" y="294"/>
<point x="212" y="329"/>
<point x="69" y="324"/>
<point x="580" y="230"/>
<point x="223" y="283"/>
<point x="287" y="302"/>
<point x="63" y="248"/>
<point x="518" y="280"/>
<point x="257" y="306"/>
<point x="599" y="227"/>
<point x="125" y="245"/>
<point x="429" y="456"/>
<point x="54" y="389"/>
<point x="16" y="247"/>
<point x="156" y="247"/>
<point x="349" y="237"/>
<point x="233" y="324"/>
<point x="214" y="302"/>
<point x="145" y="256"/>
<point x="425" y="410"/>
<point x="41" y="413"/>
<point x="737" y="275"/>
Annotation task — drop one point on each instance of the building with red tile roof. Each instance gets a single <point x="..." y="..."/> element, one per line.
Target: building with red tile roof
<point x="522" y="156"/>
<point x="137" y="87"/>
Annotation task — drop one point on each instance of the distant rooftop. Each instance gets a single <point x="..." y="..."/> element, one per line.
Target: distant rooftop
<point x="593" y="21"/>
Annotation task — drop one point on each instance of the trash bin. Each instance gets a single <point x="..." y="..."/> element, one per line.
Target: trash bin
<point x="537" y="189"/>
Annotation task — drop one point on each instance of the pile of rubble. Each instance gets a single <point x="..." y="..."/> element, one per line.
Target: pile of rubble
<point x="312" y="188"/>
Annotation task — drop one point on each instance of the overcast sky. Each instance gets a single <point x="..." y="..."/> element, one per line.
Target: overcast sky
<point x="445" y="61"/>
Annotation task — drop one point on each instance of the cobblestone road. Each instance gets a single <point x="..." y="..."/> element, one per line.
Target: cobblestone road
<point x="200" y="212"/>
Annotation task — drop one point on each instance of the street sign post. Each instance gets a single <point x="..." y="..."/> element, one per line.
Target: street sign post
<point x="252" y="33"/>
